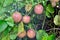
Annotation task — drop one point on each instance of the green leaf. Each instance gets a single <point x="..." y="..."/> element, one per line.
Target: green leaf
<point x="51" y="37"/>
<point x="30" y="25"/>
<point x="44" y="2"/>
<point x="45" y="37"/>
<point x="10" y="21"/>
<point x="1" y="3"/>
<point x="6" y="37"/>
<point x="18" y="0"/>
<point x="15" y="29"/>
<point x="21" y="4"/>
<point x="48" y="14"/>
<point x="6" y="31"/>
<point x="41" y="35"/>
<point x="3" y="25"/>
<point x="13" y="33"/>
<point x="13" y="36"/>
<point x="2" y="10"/>
<point x="7" y="2"/>
<point x="50" y="8"/>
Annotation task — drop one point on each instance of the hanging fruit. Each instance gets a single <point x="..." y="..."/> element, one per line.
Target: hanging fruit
<point x="17" y="16"/>
<point x="38" y="9"/>
<point x="57" y="20"/>
<point x="22" y="34"/>
<point x="21" y="31"/>
<point x="53" y="4"/>
<point x="31" y="33"/>
<point x="26" y="19"/>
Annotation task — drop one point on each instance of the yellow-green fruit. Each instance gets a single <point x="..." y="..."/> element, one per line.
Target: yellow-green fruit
<point x="57" y="20"/>
<point x="22" y="34"/>
<point x="28" y="7"/>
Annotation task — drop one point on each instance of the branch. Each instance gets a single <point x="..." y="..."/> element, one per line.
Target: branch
<point x="53" y="29"/>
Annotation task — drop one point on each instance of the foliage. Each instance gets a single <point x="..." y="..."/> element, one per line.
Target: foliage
<point x="42" y="35"/>
<point x="3" y="25"/>
<point x="9" y="29"/>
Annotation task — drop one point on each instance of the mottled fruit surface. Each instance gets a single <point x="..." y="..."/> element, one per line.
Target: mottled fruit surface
<point x="38" y="9"/>
<point x="17" y="16"/>
<point x="26" y="19"/>
<point x="31" y="33"/>
<point x="53" y="4"/>
<point x="22" y="34"/>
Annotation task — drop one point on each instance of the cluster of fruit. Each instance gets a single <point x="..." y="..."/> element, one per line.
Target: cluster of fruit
<point x="26" y="19"/>
<point x="17" y="17"/>
<point x="30" y="33"/>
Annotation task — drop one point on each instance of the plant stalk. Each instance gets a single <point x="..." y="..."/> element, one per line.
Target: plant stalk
<point x="44" y="21"/>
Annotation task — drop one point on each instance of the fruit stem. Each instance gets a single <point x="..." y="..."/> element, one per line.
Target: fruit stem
<point x="26" y="1"/>
<point x="38" y="1"/>
<point x="32" y="1"/>
<point x="25" y="38"/>
<point x="44" y="21"/>
<point x="59" y="12"/>
<point x="30" y="10"/>
<point x="53" y="29"/>
<point x="16" y="5"/>
<point x="20" y="38"/>
<point x="30" y="26"/>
